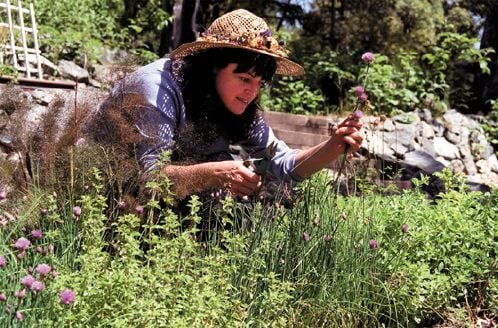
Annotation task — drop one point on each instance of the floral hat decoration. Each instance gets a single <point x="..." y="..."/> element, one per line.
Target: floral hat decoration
<point x="241" y="29"/>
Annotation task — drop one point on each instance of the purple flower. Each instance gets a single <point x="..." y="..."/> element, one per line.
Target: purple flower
<point x="327" y="238"/>
<point x="80" y="142"/>
<point x="357" y="114"/>
<point x="139" y="209"/>
<point x="3" y="297"/>
<point x="28" y="280"/>
<point x="359" y="90"/>
<point x="405" y="228"/>
<point x="363" y="97"/>
<point x="19" y="316"/>
<point x="20" y="294"/>
<point x="2" y="261"/>
<point x="21" y="255"/>
<point x="36" y="234"/>
<point x="266" y="33"/>
<point x="43" y="269"/>
<point x="77" y="211"/>
<point x="373" y="244"/>
<point x="368" y="57"/>
<point x="22" y="243"/>
<point x="3" y="195"/>
<point x="37" y="286"/>
<point x="67" y="296"/>
<point x="39" y="249"/>
<point x="306" y="237"/>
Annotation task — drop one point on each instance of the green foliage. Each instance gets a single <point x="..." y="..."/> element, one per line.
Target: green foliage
<point x="393" y="88"/>
<point x="292" y="96"/>
<point x="80" y="30"/>
<point x="490" y="125"/>
<point x="8" y="70"/>
<point x="452" y="84"/>
<point x="77" y="29"/>
<point x="309" y="264"/>
<point x="452" y="262"/>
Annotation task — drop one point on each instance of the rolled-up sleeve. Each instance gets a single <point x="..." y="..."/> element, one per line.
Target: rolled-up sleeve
<point x="282" y="164"/>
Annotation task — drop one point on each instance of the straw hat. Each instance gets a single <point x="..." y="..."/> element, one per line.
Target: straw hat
<point x="241" y="29"/>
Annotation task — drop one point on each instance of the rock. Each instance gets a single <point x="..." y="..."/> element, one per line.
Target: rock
<point x="406" y="118"/>
<point x="71" y="71"/>
<point x="493" y="163"/>
<point x="424" y="114"/>
<point x="405" y="135"/>
<point x="424" y="161"/>
<point x="479" y="145"/>
<point x="426" y="131"/>
<point x="454" y="122"/>
<point x="388" y="126"/>
<point x="42" y="97"/>
<point x="470" y="166"/>
<point x="483" y="166"/>
<point x="446" y="149"/>
<point x="457" y="166"/>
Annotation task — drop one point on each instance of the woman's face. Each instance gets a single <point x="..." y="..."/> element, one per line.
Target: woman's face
<point x="237" y="90"/>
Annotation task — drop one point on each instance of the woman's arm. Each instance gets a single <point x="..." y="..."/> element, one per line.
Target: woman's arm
<point x="345" y="136"/>
<point x="231" y="176"/>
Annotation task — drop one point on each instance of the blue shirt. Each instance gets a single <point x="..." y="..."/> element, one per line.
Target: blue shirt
<point x="164" y="113"/>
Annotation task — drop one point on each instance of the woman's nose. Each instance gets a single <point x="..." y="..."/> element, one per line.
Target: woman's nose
<point x="252" y="91"/>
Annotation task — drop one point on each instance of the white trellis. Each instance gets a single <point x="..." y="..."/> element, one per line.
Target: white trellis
<point x="19" y="38"/>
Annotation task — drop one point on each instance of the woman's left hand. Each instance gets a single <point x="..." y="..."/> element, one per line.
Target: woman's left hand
<point x="347" y="134"/>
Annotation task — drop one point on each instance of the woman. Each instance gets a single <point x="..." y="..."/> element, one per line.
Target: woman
<point x="204" y="98"/>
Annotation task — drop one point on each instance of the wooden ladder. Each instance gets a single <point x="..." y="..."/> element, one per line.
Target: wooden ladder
<point x="19" y="38"/>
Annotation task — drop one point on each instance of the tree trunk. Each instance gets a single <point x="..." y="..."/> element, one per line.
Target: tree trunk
<point x="184" y="25"/>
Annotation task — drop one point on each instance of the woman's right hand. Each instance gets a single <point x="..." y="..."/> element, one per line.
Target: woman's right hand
<point x="236" y="178"/>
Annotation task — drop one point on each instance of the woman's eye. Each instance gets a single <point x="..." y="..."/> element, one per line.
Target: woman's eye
<point x="244" y="79"/>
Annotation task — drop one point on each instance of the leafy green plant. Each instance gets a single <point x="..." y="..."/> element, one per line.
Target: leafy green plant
<point x="292" y="96"/>
<point x="490" y="125"/>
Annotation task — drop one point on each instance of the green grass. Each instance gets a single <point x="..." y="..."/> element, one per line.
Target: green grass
<point x="310" y="264"/>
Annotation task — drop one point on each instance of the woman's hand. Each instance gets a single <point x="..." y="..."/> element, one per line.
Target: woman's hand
<point x="235" y="177"/>
<point x="346" y="135"/>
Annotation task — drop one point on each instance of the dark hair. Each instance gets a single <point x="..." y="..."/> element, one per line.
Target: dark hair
<point x="199" y="92"/>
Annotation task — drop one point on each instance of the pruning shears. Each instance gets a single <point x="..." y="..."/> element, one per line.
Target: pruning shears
<point x="261" y="165"/>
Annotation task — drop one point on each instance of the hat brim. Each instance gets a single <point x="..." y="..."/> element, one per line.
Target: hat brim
<point x="285" y="66"/>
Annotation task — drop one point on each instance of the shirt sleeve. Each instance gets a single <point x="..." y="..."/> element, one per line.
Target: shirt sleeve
<point x="260" y="138"/>
<point x="160" y="114"/>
